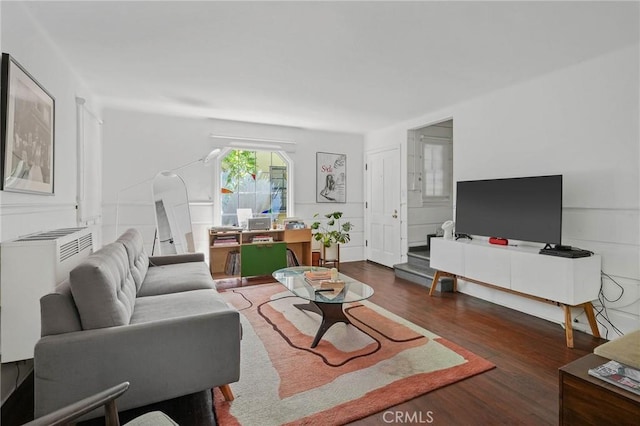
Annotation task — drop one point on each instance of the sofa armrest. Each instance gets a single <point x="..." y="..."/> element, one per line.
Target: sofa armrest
<point x="161" y="359"/>
<point x="175" y="258"/>
<point x="624" y="349"/>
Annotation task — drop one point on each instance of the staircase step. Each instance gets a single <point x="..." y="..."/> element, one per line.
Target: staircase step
<point x="418" y="259"/>
<point x="418" y="275"/>
<point x="421" y="275"/>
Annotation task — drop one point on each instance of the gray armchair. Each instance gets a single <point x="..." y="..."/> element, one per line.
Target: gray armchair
<point x="107" y="398"/>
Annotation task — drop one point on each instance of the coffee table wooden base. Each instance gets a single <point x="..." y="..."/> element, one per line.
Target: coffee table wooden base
<point x="331" y="313"/>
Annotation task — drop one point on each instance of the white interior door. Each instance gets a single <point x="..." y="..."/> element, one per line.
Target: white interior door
<point x="383" y="207"/>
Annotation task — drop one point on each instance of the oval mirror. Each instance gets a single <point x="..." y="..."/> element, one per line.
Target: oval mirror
<point x="173" y="217"/>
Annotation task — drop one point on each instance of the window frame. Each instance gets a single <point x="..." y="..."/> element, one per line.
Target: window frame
<point x="217" y="184"/>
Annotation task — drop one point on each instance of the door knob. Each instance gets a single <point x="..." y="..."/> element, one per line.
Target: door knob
<point x="395" y="214"/>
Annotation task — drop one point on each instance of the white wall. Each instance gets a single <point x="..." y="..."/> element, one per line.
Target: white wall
<point x="26" y="213"/>
<point x="22" y="214"/>
<point x="581" y="122"/>
<point x="137" y="145"/>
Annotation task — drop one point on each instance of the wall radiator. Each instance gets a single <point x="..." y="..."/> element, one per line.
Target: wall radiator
<point x="30" y="267"/>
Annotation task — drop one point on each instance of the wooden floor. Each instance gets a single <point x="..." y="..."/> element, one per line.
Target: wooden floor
<point x="527" y="351"/>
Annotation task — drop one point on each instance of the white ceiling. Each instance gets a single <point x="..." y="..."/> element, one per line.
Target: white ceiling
<point x="344" y="66"/>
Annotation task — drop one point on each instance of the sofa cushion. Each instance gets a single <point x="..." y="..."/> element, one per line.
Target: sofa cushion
<point x="176" y="278"/>
<point x="138" y="258"/>
<point x="176" y="305"/>
<point x="58" y="312"/>
<point x="103" y="288"/>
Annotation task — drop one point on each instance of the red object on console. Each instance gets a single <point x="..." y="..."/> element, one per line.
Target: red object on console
<point x="499" y="241"/>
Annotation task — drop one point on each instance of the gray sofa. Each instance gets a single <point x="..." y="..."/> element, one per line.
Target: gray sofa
<point x="157" y="322"/>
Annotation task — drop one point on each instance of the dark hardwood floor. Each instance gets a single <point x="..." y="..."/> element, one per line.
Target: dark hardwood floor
<point x="527" y="352"/>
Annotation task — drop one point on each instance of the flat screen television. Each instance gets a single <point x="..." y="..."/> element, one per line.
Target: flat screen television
<point x="524" y="208"/>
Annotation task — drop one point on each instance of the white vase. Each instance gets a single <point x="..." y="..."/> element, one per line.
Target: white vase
<point x="332" y="252"/>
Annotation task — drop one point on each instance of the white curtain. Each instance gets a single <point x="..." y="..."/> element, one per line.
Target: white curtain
<point x="89" y="190"/>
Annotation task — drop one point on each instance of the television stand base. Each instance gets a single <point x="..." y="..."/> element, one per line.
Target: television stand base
<point x="587" y="307"/>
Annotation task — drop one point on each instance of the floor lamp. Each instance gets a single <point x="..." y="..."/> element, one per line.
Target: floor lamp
<point x="204" y="160"/>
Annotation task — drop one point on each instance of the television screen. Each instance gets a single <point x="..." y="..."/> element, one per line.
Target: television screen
<point x="526" y="208"/>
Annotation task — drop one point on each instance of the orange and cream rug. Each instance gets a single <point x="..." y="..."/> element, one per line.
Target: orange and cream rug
<point x="379" y="361"/>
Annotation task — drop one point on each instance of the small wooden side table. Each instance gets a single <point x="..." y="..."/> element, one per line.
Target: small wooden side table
<point x="587" y="400"/>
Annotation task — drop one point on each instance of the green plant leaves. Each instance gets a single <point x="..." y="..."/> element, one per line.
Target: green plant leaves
<point x="329" y="236"/>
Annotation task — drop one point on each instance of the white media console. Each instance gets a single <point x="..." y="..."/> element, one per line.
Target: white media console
<point x="523" y="271"/>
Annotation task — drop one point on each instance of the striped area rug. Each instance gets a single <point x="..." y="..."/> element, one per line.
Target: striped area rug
<point x="379" y="361"/>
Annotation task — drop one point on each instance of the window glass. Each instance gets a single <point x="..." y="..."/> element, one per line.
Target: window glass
<point x="436" y="182"/>
<point x="255" y="180"/>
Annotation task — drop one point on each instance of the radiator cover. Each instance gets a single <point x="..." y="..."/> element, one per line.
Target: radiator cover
<point x="30" y="267"/>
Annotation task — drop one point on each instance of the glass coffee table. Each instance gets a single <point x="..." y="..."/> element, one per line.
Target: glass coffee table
<point x="325" y="297"/>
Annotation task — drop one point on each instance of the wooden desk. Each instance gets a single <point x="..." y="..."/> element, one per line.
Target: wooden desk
<point x="586" y="400"/>
<point x="298" y="240"/>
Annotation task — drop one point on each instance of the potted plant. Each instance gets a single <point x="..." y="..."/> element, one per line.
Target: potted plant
<point x="332" y="231"/>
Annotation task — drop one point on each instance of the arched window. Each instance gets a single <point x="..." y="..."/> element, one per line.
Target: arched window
<point x="256" y="180"/>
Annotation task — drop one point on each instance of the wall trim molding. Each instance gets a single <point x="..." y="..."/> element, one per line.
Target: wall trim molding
<point x="32" y="208"/>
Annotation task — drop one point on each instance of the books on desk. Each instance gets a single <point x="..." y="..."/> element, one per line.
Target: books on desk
<point x="618" y="374"/>
<point x="225" y="240"/>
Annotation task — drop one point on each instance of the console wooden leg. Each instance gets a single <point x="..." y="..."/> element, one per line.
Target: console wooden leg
<point x="226" y="392"/>
<point x="588" y="310"/>
<point x="434" y="283"/>
<point x="568" y="327"/>
<point x="436" y="279"/>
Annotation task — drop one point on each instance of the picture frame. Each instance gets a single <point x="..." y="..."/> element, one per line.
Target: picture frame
<point x="27" y="132"/>
<point x="331" y="177"/>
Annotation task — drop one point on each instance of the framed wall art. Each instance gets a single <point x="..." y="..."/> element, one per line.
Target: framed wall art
<point x="331" y="178"/>
<point x="27" y="131"/>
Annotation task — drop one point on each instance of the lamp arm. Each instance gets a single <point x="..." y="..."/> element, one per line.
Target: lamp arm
<point x="212" y="154"/>
<point x="206" y="159"/>
<point x="175" y="169"/>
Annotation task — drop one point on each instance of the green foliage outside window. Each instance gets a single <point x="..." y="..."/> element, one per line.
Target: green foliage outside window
<point x="238" y="164"/>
